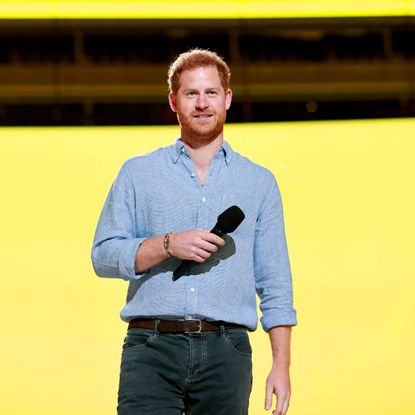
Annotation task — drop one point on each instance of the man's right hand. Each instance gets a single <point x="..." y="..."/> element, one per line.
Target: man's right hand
<point x="195" y="245"/>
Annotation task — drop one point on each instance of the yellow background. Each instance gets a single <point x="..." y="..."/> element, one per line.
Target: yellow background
<point x="349" y="199"/>
<point x="203" y="9"/>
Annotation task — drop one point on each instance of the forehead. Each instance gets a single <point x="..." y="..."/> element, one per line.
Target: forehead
<point x="201" y="77"/>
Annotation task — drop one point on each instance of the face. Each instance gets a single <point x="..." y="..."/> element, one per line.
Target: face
<point x="201" y="104"/>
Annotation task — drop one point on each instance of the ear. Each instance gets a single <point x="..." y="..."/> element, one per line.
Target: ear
<point x="228" y="98"/>
<point x="172" y="101"/>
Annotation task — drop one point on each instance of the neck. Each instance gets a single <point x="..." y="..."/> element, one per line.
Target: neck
<point x="202" y="153"/>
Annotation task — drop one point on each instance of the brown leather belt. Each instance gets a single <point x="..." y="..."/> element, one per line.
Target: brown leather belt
<point x="182" y="326"/>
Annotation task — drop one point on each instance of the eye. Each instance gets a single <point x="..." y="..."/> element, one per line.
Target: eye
<point x="191" y="93"/>
<point x="212" y="93"/>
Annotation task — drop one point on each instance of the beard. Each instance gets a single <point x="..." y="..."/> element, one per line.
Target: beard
<point x="202" y="129"/>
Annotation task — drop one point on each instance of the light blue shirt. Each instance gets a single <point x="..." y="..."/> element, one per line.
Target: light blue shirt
<point x="160" y="192"/>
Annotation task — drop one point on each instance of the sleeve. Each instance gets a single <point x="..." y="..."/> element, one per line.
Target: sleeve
<point x="115" y="242"/>
<point x="271" y="263"/>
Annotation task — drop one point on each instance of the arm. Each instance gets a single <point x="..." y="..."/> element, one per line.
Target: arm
<point x="195" y="245"/>
<point x="118" y="251"/>
<point x="271" y="263"/>
<point x="116" y="241"/>
<point x="274" y="287"/>
<point x="278" y="381"/>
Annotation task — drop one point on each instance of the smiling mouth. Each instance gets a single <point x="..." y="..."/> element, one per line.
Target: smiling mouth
<point x="203" y="116"/>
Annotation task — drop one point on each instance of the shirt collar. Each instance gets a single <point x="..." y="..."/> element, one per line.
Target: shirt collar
<point x="178" y="148"/>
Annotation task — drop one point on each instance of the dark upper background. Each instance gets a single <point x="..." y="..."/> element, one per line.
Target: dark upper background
<point x="113" y="72"/>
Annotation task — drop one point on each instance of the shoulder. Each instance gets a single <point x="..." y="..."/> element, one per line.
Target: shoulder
<point x="144" y="158"/>
<point x="249" y="167"/>
<point x="146" y="162"/>
<point x="142" y="166"/>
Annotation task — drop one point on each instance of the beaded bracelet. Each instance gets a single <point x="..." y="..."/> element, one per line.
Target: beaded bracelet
<point x="166" y="243"/>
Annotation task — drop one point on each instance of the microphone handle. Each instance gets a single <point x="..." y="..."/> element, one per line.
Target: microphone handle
<point x="186" y="264"/>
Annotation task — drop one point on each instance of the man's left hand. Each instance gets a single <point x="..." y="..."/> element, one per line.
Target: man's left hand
<point x="278" y="383"/>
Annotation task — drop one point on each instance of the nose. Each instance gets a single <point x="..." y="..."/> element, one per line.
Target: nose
<point x="201" y="102"/>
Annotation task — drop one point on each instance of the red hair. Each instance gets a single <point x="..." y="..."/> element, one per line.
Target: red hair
<point x="196" y="58"/>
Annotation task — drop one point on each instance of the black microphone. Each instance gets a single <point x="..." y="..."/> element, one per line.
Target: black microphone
<point x="227" y="222"/>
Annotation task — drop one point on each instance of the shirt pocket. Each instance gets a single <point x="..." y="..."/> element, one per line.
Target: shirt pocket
<point x="248" y="206"/>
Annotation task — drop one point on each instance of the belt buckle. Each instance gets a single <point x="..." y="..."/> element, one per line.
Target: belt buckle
<point x="188" y="331"/>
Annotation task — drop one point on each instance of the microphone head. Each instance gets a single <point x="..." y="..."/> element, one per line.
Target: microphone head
<point x="230" y="219"/>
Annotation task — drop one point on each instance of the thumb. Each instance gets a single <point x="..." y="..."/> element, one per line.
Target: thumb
<point x="268" y="396"/>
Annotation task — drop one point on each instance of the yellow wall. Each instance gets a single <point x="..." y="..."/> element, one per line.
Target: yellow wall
<point x="203" y="9"/>
<point x="349" y="198"/>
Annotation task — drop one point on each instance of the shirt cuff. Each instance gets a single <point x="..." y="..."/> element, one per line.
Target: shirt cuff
<point x="126" y="265"/>
<point x="286" y="318"/>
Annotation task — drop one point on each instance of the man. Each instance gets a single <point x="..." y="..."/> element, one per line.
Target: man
<point x="187" y="348"/>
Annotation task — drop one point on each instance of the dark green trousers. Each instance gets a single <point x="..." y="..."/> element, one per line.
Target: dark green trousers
<point x="196" y="374"/>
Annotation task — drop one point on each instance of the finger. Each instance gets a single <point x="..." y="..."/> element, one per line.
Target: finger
<point x="212" y="238"/>
<point x="218" y="240"/>
<point x="207" y="246"/>
<point x="199" y="255"/>
<point x="278" y="410"/>
<point x="285" y="406"/>
<point x="282" y="405"/>
<point x="268" y="397"/>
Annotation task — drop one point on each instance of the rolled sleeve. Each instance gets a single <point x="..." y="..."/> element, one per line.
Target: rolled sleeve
<point x="271" y="263"/>
<point x="116" y="241"/>
<point x="283" y="318"/>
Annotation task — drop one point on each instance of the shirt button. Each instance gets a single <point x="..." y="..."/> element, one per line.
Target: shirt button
<point x="192" y="175"/>
<point x="203" y="199"/>
<point x="182" y="150"/>
<point x="192" y="290"/>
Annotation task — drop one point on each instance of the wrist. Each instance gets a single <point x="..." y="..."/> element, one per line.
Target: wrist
<point x="166" y="244"/>
<point x="281" y="365"/>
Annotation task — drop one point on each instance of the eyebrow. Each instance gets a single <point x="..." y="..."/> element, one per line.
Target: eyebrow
<point x="206" y="89"/>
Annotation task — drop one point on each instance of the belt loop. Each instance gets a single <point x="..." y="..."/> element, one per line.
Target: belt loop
<point x="156" y="328"/>
<point x="222" y="331"/>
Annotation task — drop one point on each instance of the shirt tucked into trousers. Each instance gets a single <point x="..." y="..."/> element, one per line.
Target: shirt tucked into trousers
<point x="160" y="192"/>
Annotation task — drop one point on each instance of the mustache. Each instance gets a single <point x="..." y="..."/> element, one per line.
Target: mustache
<point x="195" y="114"/>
